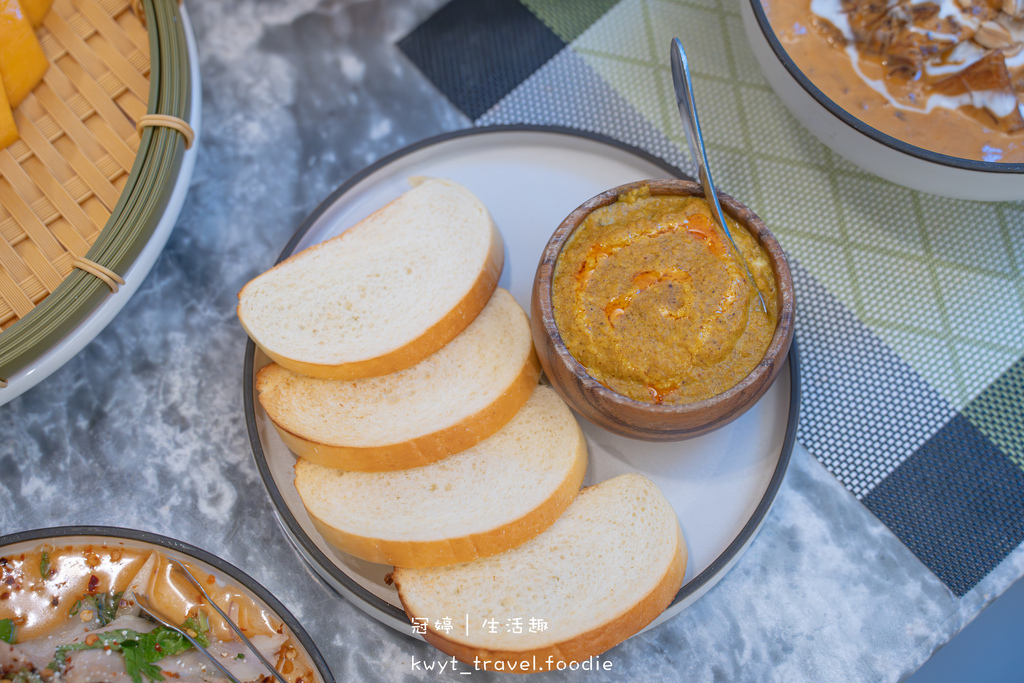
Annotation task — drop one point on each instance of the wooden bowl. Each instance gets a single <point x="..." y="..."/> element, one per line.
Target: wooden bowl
<point x="638" y="419"/>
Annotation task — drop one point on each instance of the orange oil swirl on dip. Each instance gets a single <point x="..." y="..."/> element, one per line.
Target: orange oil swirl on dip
<point x="648" y="297"/>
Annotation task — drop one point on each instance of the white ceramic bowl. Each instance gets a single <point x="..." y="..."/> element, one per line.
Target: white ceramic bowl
<point x="872" y="150"/>
<point x="26" y="541"/>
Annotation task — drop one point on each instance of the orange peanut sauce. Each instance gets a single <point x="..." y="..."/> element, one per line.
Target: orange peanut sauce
<point x="648" y="297"/>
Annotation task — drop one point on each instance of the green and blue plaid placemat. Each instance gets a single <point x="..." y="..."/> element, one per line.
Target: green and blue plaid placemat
<point x="910" y="307"/>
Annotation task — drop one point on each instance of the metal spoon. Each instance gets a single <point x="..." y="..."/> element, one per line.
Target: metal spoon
<point x="688" y="113"/>
<point x="234" y="627"/>
<point x="143" y="602"/>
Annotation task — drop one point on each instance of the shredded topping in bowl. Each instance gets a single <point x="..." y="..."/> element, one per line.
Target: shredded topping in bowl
<point x="950" y="54"/>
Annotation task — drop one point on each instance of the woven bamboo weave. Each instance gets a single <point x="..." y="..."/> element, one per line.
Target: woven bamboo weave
<point x="60" y="183"/>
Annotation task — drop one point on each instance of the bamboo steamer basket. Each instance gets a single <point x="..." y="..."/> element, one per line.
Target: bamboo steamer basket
<point x="102" y="143"/>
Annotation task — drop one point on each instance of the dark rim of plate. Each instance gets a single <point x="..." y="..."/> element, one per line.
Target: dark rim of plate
<point x="860" y="126"/>
<point x="118" y="533"/>
<point x="309" y="547"/>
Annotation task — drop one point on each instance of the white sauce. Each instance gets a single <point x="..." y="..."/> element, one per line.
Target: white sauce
<point x="933" y="35"/>
<point x="947" y="8"/>
<point x="1015" y="61"/>
<point x="998" y="102"/>
<point x="961" y="57"/>
<point x="832" y="10"/>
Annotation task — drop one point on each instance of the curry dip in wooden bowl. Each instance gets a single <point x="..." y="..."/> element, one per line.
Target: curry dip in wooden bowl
<point x="644" y="320"/>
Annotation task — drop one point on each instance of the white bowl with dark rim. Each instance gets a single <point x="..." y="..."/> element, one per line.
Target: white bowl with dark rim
<point x="25" y="541"/>
<point x="866" y="146"/>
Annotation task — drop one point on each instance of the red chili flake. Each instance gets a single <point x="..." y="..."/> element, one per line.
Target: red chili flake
<point x="94" y="583"/>
<point x="157" y="647"/>
<point x="5" y="595"/>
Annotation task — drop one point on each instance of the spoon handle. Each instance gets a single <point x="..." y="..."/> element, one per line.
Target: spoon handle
<point x="683" y="85"/>
<point x="688" y="114"/>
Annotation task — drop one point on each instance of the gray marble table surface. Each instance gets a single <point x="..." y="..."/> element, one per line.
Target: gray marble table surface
<point x="145" y="428"/>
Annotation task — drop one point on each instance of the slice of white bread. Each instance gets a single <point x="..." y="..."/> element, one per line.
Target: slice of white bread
<point x="485" y="500"/>
<point x="608" y="567"/>
<point x="384" y="294"/>
<point x="448" y="402"/>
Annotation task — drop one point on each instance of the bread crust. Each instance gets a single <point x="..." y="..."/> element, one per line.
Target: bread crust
<point x="465" y="548"/>
<point x="428" y="448"/>
<point x="581" y="647"/>
<point x="431" y="340"/>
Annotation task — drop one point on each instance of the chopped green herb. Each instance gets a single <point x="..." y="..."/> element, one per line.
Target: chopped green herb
<point x="44" y="565"/>
<point x="240" y="656"/>
<point x="200" y="625"/>
<point x="8" y="631"/>
<point x="104" y="606"/>
<point x="136" y="665"/>
<point x="140" y="650"/>
<point x="26" y="676"/>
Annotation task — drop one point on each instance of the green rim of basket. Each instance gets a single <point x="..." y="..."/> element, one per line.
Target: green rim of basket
<point x="138" y="210"/>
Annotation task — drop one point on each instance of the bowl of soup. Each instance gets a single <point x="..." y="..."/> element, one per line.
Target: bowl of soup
<point x="644" y="316"/>
<point x="926" y="95"/>
<point x="67" y="612"/>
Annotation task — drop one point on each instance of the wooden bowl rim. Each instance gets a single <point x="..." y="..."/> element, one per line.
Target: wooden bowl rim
<point x="781" y="340"/>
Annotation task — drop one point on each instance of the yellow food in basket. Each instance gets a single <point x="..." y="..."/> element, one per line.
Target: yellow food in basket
<point x="36" y="10"/>
<point x="8" y="131"/>
<point x="22" y="62"/>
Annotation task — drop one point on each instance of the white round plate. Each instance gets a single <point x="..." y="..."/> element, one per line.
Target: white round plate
<point x="721" y="484"/>
<point x="86" y="331"/>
